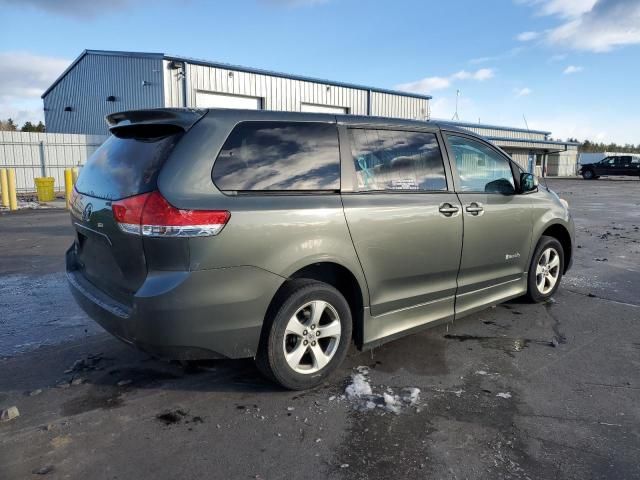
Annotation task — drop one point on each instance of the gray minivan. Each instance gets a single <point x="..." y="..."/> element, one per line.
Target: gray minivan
<point x="286" y="236"/>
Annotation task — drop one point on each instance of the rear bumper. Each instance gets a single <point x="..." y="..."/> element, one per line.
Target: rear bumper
<point x="185" y="315"/>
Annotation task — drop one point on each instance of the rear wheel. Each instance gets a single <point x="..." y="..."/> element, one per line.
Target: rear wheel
<point x="588" y="175"/>
<point x="545" y="271"/>
<point x="306" y="335"/>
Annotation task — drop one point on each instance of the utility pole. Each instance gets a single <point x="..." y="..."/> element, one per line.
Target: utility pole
<point x="455" y="115"/>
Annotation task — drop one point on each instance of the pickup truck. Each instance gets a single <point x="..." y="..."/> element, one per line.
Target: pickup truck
<point x="614" y="165"/>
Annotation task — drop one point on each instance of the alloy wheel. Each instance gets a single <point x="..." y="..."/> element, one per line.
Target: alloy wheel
<point x="547" y="270"/>
<point x="312" y="337"/>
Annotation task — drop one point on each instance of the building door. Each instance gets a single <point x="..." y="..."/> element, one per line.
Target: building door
<point x="223" y="100"/>
<point x="313" y="108"/>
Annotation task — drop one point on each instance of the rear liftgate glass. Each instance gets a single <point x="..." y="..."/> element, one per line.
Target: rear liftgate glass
<point x="119" y="214"/>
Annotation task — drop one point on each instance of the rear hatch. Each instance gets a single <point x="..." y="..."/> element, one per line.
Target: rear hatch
<point x="126" y="165"/>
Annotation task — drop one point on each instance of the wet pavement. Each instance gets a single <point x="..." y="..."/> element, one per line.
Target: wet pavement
<point x="516" y="391"/>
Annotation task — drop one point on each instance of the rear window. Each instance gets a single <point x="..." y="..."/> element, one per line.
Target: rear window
<point x="279" y="156"/>
<point x="128" y="163"/>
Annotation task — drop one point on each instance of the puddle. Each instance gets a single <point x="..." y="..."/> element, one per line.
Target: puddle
<point x="506" y="344"/>
<point x="37" y="311"/>
<point x="421" y="353"/>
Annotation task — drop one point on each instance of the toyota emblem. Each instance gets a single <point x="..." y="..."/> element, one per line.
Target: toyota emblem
<point x="87" y="212"/>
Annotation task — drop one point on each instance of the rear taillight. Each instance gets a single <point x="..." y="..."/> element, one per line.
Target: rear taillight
<point x="151" y="215"/>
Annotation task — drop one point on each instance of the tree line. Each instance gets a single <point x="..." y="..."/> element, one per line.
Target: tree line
<point x="595" y="147"/>
<point x="9" y="125"/>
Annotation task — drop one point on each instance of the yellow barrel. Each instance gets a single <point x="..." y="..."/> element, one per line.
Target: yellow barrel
<point x="13" y="197"/>
<point x="44" y="189"/>
<point x="68" y="185"/>
<point x="4" y="186"/>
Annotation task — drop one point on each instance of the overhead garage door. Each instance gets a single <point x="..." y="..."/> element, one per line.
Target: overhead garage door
<point x="311" y="107"/>
<point x="222" y="100"/>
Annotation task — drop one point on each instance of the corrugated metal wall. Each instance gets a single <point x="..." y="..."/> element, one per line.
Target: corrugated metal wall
<point x="505" y="133"/>
<point x="173" y="85"/>
<point x="86" y="87"/>
<point x="396" y="106"/>
<point x="278" y="93"/>
<point x="44" y="154"/>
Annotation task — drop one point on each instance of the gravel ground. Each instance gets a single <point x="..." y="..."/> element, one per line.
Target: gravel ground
<point x="516" y="391"/>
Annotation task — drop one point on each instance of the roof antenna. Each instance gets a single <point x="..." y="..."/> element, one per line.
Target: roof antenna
<point x="525" y="121"/>
<point x="455" y="115"/>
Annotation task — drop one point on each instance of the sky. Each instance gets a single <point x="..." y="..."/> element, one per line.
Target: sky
<point x="571" y="67"/>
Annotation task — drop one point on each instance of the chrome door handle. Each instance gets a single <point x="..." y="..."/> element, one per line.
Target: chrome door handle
<point x="474" y="208"/>
<point x="448" y="210"/>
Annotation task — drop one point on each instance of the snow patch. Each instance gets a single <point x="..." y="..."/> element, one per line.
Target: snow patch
<point x="360" y="393"/>
<point x="359" y="386"/>
<point x="503" y="395"/>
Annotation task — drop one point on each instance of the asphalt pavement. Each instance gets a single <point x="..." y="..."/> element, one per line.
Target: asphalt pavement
<point x="517" y="391"/>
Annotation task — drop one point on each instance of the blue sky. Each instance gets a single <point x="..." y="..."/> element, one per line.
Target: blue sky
<point x="569" y="66"/>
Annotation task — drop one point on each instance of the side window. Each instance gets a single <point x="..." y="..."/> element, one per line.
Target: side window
<point x="279" y="156"/>
<point x="397" y="160"/>
<point x="481" y="169"/>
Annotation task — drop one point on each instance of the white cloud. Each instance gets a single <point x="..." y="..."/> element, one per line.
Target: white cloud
<point x="522" y="92"/>
<point x="591" y="25"/>
<point x="572" y="69"/>
<point x="513" y="52"/>
<point x="562" y="8"/>
<point x="527" y="36"/>
<point x="23" y="78"/>
<point x="429" y="84"/>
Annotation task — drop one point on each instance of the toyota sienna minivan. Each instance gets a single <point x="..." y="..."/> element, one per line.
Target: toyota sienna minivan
<point x="287" y="236"/>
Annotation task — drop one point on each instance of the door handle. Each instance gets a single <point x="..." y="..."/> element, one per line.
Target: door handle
<point x="448" y="210"/>
<point x="474" y="208"/>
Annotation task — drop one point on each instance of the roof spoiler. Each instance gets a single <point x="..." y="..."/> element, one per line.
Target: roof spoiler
<point x="183" y="118"/>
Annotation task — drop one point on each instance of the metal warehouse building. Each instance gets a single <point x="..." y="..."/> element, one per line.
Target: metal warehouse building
<point x="99" y="82"/>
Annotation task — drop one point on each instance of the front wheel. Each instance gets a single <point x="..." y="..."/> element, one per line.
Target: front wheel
<point x="545" y="271"/>
<point x="306" y="335"/>
<point x="588" y="175"/>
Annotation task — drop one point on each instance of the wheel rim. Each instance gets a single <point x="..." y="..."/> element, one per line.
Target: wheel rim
<point x="312" y="337"/>
<point x="547" y="270"/>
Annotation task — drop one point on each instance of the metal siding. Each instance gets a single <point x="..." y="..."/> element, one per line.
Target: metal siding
<point x="35" y="154"/>
<point x="86" y="87"/>
<point x="278" y="93"/>
<point x="173" y="86"/>
<point x="504" y="133"/>
<point x="388" y="105"/>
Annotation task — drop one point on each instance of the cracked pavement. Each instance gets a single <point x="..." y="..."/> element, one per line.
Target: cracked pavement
<point x="517" y="391"/>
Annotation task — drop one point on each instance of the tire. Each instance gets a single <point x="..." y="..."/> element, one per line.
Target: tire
<point x="279" y="355"/>
<point x="539" y="284"/>
<point x="588" y="175"/>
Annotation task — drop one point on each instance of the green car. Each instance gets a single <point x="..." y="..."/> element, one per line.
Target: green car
<point x="287" y="236"/>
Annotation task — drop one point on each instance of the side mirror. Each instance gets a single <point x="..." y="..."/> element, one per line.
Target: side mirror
<point x="528" y="183"/>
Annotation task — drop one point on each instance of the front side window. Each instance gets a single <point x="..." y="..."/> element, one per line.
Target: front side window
<point x="279" y="156"/>
<point x="397" y="160"/>
<point x="480" y="168"/>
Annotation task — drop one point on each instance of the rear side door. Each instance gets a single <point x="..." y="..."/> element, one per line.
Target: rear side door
<point x="497" y="224"/>
<point x="626" y="167"/>
<point x="406" y="225"/>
